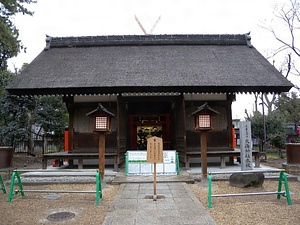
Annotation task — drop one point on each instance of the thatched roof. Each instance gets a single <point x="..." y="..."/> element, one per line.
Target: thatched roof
<point x="150" y="63"/>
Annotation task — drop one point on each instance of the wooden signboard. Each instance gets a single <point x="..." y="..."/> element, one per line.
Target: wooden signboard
<point x="155" y="155"/>
<point x="155" y="150"/>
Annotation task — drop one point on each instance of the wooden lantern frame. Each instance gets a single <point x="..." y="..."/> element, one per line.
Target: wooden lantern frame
<point x="102" y="119"/>
<point x="102" y="125"/>
<point x="203" y="117"/>
<point x="203" y="123"/>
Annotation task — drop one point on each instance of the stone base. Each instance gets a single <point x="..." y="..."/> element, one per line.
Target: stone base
<point x="244" y="180"/>
<point x="291" y="168"/>
<point x="155" y="197"/>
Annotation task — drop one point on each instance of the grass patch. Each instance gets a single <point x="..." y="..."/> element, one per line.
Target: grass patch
<point x="273" y="155"/>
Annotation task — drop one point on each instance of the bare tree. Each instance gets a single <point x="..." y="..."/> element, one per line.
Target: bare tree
<point x="288" y="14"/>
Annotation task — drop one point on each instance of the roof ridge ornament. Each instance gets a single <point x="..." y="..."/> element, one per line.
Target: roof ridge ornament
<point x="248" y="39"/>
<point x="138" y="40"/>
<point x="48" y="40"/>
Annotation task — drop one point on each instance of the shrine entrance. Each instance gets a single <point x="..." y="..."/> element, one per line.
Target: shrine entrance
<point x="144" y="126"/>
<point x="151" y="116"/>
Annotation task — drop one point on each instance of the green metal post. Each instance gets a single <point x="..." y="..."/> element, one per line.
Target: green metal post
<point x="12" y="185"/>
<point x="2" y="185"/>
<point x="126" y="165"/>
<point x="98" y="188"/>
<point x="209" y="191"/>
<point x="279" y="185"/>
<point x="11" y="189"/>
<point x="177" y="164"/>
<point x="283" y="179"/>
<point x="287" y="190"/>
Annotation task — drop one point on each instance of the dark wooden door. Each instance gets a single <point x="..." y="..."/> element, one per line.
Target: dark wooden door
<point x="145" y="126"/>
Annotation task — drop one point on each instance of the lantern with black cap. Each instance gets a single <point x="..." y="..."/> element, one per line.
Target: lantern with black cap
<point x="203" y="123"/>
<point x="102" y="119"/>
<point x="102" y="125"/>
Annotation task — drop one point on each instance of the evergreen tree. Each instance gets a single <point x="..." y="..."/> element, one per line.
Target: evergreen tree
<point x="274" y="128"/>
<point x="10" y="45"/>
<point x="289" y="108"/>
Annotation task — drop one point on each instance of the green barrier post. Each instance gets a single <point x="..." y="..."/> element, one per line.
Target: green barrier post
<point x="2" y="185"/>
<point x="283" y="180"/>
<point x="98" y="188"/>
<point x="177" y="164"/>
<point x="12" y="185"/>
<point x="126" y="164"/>
<point x="209" y="191"/>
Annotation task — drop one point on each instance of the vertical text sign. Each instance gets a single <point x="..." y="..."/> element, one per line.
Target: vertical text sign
<point x="246" y="145"/>
<point x="155" y="150"/>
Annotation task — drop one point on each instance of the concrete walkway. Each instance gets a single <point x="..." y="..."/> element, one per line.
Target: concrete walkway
<point x="176" y="204"/>
<point x="179" y="205"/>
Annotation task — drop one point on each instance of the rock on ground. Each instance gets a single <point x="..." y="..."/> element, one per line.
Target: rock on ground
<point x="246" y="180"/>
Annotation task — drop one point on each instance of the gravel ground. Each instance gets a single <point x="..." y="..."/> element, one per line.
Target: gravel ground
<point x="248" y="210"/>
<point x="34" y="208"/>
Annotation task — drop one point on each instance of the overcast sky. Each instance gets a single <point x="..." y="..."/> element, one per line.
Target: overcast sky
<point x="60" y="18"/>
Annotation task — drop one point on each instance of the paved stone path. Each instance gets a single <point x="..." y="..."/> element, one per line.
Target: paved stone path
<point x="179" y="206"/>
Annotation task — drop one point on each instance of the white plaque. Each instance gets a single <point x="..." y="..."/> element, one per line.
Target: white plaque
<point x="170" y="168"/>
<point x="137" y="163"/>
<point x="169" y="156"/>
<point x="137" y="156"/>
<point x="146" y="168"/>
<point x="159" y="168"/>
<point x="134" y="168"/>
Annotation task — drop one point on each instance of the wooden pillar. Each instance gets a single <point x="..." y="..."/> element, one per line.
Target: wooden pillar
<point x="118" y="127"/>
<point x="230" y="98"/>
<point x="179" y="125"/>
<point x="70" y="106"/>
<point x="184" y="123"/>
<point x="204" y="154"/>
<point x="121" y="128"/>
<point x="69" y="101"/>
<point x="102" y="154"/>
